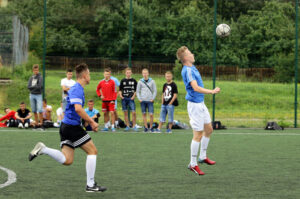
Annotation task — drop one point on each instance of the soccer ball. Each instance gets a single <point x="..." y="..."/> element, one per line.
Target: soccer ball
<point x="223" y="30"/>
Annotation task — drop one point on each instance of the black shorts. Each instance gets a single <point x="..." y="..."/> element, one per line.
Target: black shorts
<point x="73" y="136"/>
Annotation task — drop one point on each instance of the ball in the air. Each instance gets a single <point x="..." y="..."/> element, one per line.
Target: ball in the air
<point x="223" y="30"/>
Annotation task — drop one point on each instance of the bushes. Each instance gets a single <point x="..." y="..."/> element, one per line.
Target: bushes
<point x="177" y="70"/>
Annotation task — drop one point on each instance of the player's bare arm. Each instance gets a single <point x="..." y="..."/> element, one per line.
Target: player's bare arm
<point x="204" y="90"/>
<point x="81" y="112"/>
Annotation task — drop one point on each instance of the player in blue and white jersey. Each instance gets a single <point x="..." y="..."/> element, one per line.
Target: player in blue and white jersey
<point x="198" y="113"/>
<point x="72" y="135"/>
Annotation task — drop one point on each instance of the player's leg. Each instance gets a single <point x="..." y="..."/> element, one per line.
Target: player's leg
<point x="208" y="129"/>
<point x="170" y="109"/>
<point x="91" y="162"/>
<point x="39" y="106"/>
<point x="112" y="116"/>
<point x="116" y="123"/>
<point x="144" y="115"/>
<point x="105" y="117"/>
<point x="125" y="111"/>
<point x="162" y="117"/>
<point x="132" y="109"/>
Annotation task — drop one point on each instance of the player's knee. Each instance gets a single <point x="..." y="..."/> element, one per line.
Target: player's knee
<point x="68" y="162"/>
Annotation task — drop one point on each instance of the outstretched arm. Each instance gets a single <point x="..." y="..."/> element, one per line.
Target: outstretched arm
<point x="203" y="90"/>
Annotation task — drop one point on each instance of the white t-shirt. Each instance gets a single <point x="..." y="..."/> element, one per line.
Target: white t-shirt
<point x="67" y="83"/>
<point x="59" y="111"/>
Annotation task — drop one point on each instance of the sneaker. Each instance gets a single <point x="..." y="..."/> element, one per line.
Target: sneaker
<point x="169" y="131"/>
<point x="36" y="151"/>
<point x="152" y="130"/>
<point x="26" y="125"/>
<point x="196" y="169"/>
<point x="135" y="129"/>
<point x="127" y="128"/>
<point x="95" y="188"/>
<point x="20" y="126"/>
<point x="207" y="161"/>
<point x="145" y="129"/>
<point x="104" y="129"/>
<point x="42" y="128"/>
<point x="113" y="129"/>
<point x="158" y="131"/>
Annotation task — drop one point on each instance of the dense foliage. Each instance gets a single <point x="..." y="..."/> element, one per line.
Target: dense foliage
<point x="262" y="31"/>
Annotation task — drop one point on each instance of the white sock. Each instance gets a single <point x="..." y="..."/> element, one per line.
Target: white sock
<point x="90" y="169"/>
<point x="55" y="154"/>
<point x="112" y="126"/>
<point x="116" y="123"/>
<point x="107" y="124"/>
<point x="194" y="152"/>
<point x="203" y="148"/>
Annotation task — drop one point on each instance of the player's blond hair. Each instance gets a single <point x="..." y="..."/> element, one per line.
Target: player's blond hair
<point x="169" y="72"/>
<point x="180" y="52"/>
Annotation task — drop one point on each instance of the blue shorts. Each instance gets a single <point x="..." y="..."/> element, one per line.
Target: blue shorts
<point x="116" y="105"/>
<point x="128" y="102"/>
<point x="147" y="105"/>
<point x="36" y="102"/>
<point x="166" y="110"/>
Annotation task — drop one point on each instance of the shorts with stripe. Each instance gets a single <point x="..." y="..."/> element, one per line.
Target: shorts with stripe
<point x="73" y="136"/>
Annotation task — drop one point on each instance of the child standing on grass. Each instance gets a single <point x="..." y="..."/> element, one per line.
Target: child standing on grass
<point x="127" y="93"/>
<point x="168" y="102"/>
<point x="146" y="93"/>
<point x="106" y="90"/>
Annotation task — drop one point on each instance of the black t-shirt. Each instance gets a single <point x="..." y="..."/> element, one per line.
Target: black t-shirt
<point x="128" y="87"/>
<point x="168" y="91"/>
<point x="23" y="114"/>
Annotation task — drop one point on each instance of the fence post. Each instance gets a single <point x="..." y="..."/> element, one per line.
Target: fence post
<point x="296" y="64"/>
<point x="44" y="47"/>
<point x="214" y="57"/>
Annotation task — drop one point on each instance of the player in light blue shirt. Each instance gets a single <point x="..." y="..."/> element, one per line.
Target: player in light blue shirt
<point x="116" y="102"/>
<point x="72" y="135"/>
<point x="198" y="112"/>
<point x="92" y="113"/>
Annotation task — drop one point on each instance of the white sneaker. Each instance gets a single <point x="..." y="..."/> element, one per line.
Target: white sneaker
<point x="36" y="151"/>
<point x="26" y="125"/>
<point x="20" y="126"/>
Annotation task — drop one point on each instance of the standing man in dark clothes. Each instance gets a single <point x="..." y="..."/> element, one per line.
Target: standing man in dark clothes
<point x="35" y="86"/>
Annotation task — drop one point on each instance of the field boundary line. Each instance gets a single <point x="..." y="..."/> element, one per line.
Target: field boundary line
<point x="11" y="177"/>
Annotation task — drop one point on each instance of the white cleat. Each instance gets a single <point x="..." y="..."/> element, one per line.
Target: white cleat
<point x="20" y="126"/>
<point x="36" y="151"/>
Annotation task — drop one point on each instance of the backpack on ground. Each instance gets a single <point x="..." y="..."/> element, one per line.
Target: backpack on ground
<point x="217" y="125"/>
<point x="273" y="126"/>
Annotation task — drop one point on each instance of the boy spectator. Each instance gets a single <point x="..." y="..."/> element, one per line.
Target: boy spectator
<point x="47" y="110"/>
<point x="35" y="86"/>
<point x="106" y="90"/>
<point x="146" y="93"/>
<point x="127" y="93"/>
<point x="92" y="113"/>
<point x="168" y="102"/>
<point x="9" y="118"/>
<point x="116" y="101"/>
<point x="23" y="116"/>
<point x="66" y="84"/>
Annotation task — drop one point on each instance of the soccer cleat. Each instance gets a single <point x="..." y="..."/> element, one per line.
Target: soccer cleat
<point x="196" y="169"/>
<point x="169" y="131"/>
<point x="95" y="188"/>
<point x="104" y="129"/>
<point x="20" y="126"/>
<point x="26" y="125"/>
<point x="113" y="129"/>
<point x="36" y="151"/>
<point x="207" y="161"/>
<point x="127" y="128"/>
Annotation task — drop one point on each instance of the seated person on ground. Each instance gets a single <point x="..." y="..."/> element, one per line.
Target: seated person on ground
<point x="23" y="116"/>
<point x="60" y="115"/>
<point x="9" y="119"/>
<point x="93" y="113"/>
<point x="47" y="109"/>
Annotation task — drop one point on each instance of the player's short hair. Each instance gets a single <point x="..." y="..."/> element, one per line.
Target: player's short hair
<point x="180" y="52"/>
<point x="45" y="100"/>
<point x="35" y="66"/>
<point x="22" y="103"/>
<point x="127" y="68"/>
<point x="145" y="69"/>
<point x="169" y="72"/>
<point x="107" y="69"/>
<point x="69" y="70"/>
<point x="91" y="100"/>
<point x="5" y="109"/>
<point x="80" y="68"/>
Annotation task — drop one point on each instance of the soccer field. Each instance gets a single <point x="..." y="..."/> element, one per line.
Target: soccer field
<point x="250" y="164"/>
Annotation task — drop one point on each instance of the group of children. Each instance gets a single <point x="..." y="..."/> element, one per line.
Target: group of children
<point x="145" y="90"/>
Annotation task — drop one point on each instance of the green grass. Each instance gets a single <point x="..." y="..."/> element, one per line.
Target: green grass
<point x="240" y="104"/>
<point x="250" y="164"/>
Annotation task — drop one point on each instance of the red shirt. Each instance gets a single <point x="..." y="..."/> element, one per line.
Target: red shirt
<point x="11" y="114"/>
<point x="108" y="90"/>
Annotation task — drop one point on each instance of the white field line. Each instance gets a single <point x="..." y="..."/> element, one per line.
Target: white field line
<point x="267" y="133"/>
<point x="11" y="177"/>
